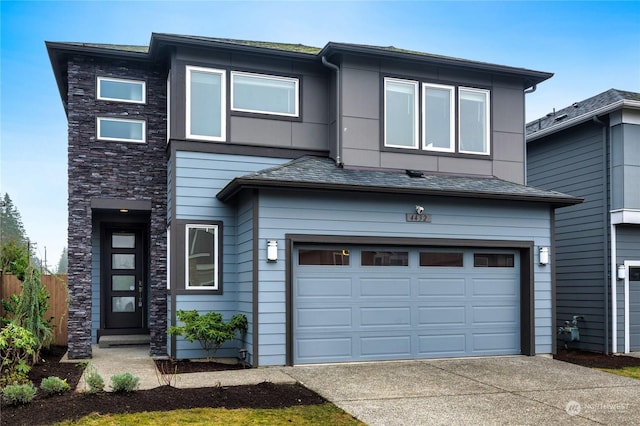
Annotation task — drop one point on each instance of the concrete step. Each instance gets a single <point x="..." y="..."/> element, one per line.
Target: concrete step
<point x="124" y="340"/>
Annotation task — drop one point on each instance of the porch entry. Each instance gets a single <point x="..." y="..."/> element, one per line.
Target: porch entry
<point x="123" y="283"/>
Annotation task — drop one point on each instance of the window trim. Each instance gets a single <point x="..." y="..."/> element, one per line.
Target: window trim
<point x="216" y="257"/>
<point x="416" y="107"/>
<point x="99" y="120"/>
<point x="487" y="111"/>
<point x="294" y="80"/>
<point x="121" y="80"/>
<point x="223" y="103"/>
<point x="452" y="118"/>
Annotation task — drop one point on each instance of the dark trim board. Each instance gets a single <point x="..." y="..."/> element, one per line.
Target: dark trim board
<point x="525" y="248"/>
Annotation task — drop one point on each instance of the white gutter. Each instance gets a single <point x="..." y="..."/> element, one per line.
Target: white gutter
<point x="625" y="103"/>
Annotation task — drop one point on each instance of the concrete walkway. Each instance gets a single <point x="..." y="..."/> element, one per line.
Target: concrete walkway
<point x="505" y="390"/>
<point x="136" y="360"/>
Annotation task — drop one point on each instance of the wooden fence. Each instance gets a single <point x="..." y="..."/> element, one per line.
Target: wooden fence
<point x="56" y="285"/>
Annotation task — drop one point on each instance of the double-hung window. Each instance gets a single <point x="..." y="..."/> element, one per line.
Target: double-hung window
<point x="400" y="113"/>
<point x="264" y="94"/>
<point x="202" y="254"/>
<point x="121" y="90"/>
<point x="446" y="126"/>
<point x="206" y="103"/>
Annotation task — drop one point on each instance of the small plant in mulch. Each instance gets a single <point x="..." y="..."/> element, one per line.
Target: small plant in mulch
<point x="18" y="394"/>
<point x="164" y="374"/>
<point x="93" y="380"/>
<point x="124" y="383"/>
<point x="209" y="329"/>
<point x="54" y="386"/>
<point x="17" y="346"/>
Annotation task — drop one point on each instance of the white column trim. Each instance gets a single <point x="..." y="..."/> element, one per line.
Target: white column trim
<point x="614" y="292"/>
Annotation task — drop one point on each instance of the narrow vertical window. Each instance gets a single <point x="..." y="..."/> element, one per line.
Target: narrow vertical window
<point x="206" y="103"/>
<point x="400" y="113"/>
<point x="201" y="257"/>
<point x="438" y="112"/>
<point x="474" y="121"/>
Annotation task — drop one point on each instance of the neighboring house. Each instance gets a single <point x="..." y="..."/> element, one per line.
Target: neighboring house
<point x="354" y="202"/>
<point x="591" y="149"/>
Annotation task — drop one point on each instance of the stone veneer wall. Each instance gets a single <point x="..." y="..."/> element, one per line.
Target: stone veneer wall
<point x="106" y="169"/>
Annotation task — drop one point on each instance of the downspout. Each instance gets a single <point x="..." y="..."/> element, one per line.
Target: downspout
<point x="605" y="214"/>
<point x="338" y="112"/>
<point x="524" y="130"/>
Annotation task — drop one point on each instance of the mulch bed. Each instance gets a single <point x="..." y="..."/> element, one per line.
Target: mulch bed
<point x="73" y="406"/>
<point x="596" y="360"/>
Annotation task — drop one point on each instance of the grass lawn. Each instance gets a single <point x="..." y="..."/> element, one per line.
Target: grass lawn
<point x="633" y="372"/>
<point x="325" y="414"/>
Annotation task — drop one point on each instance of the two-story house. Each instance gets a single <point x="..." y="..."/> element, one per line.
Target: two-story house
<point x="592" y="149"/>
<point x="354" y="202"/>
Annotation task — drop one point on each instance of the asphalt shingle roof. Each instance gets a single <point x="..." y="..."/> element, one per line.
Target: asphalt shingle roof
<point x="322" y="173"/>
<point x="582" y="108"/>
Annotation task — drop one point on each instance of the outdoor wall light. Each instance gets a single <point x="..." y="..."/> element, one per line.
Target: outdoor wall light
<point x="544" y="255"/>
<point x="272" y="250"/>
<point x="622" y="272"/>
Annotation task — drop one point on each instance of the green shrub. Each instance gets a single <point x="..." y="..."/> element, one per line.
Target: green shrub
<point x="125" y="382"/>
<point x="94" y="380"/>
<point x="18" y="394"/>
<point x="17" y="346"/>
<point x="54" y="386"/>
<point x="208" y="329"/>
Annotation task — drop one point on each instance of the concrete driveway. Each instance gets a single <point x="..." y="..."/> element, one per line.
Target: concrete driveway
<point x="494" y="390"/>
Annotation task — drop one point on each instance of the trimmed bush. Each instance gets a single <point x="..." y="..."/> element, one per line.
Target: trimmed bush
<point x="94" y="380"/>
<point x="54" y="386"/>
<point x="124" y="383"/>
<point x="18" y="394"/>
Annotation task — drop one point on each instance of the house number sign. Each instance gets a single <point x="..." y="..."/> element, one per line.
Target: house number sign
<point x="415" y="217"/>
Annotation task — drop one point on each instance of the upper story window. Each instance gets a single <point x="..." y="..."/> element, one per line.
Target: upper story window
<point x="206" y="103"/>
<point x="116" y="89"/>
<point x="446" y="126"/>
<point x="264" y="94"/>
<point x="120" y="129"/>
<point x="400" y="113"/>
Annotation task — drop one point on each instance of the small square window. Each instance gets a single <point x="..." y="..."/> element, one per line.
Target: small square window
<point x="120" y="129"/>
<point x="264" y="94"/>
<point x="385" y="258"/>
<point x="491" y="260"/>
<point x="116" y="89"/>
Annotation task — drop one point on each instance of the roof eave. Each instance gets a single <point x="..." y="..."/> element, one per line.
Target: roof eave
<point x="607" y="109"/>
<point x="239" y="184"/>
<point x="531" y="77"/>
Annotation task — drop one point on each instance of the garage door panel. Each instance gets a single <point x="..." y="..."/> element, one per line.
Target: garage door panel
<point x="495" y="315"/>
<point x="441" y="287"/>
<point x="438" y="316"/>
<point x="320" y="349"/>
<point x="392" y="316"/>
<point x="329" y="287"/>
<point x="323" y="318"/>
<point x="491" y="287"/>
<point x="442" y="345"/>
<point x="381" y="346"/>
<point x="503" y="343"/>
<point x="385" y="287"/>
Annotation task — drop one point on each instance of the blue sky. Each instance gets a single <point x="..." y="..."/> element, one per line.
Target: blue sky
<point x="590" y="46"/>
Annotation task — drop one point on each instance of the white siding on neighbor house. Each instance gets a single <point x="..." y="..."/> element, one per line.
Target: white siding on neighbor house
<point x="375" y="216"/>
<point x="199" y="177"/>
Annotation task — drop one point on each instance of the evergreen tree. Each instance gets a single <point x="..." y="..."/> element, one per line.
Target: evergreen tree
<point x="63" y="263"/>
<point x="11" y="227"/>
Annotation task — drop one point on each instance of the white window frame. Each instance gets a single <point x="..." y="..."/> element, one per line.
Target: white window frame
<point x="122" y="80"/>
<point x="416" y="115"/>
<point x="452" y="117"/>
<point x="216" y="263"/>
<point x="99" y="121"/>
<point x="487" y="127"/>
<point x="223" y="103"/>
<point x="168" y="106"/>
<point x="168" y="259"/>
<point x="296" y="85"/>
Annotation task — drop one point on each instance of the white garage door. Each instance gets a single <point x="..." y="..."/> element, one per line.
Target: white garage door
<point x="375" y="303"/>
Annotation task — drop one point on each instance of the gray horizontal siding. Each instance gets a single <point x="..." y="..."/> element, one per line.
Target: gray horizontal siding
<point x="385" y="217"/>
<point x="572" y="162"/>
<point x="199" y="177"/>
<point x="244" y="278"/>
